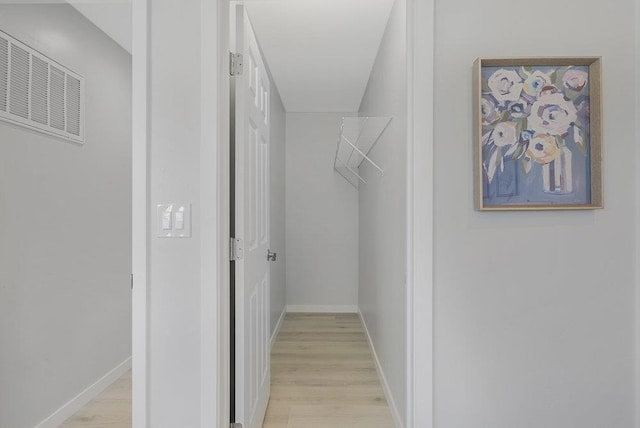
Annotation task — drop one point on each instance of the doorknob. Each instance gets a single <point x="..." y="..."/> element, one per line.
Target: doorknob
<point x="271" y="256"/>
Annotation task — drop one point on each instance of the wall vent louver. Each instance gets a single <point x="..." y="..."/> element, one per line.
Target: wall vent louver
<point x="38" y="93"/>
<point x="4" y="72"/>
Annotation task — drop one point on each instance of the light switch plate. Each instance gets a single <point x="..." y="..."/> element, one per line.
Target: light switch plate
<point x="173" y="221"/>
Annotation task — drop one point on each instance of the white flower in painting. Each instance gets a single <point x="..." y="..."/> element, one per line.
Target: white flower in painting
<point x="543" y="149"/>
<point x="535" y="82"/>
<point x="505" y="134"/>
<point x="552" y="114"/>
<point x="505" y="85"/>
<point x="575" y="79"/>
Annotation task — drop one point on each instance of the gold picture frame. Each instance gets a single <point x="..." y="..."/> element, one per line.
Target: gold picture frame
<point x="537" y="133"/>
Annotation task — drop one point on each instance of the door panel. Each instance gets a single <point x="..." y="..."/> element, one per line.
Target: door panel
<point x="252" y="220"/>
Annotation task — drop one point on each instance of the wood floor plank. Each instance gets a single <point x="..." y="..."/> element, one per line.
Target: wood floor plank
<point x="359" y="416"/>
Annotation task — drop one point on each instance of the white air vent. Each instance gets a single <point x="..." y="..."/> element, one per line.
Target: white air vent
<point x="39" y="93"/>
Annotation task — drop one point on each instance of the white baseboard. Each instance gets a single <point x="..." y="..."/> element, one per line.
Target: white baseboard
<point x="78" y="402"/>
<point x="397" y="420"/>
<point x="330" y="309"/>
<point x="274" y="336"/>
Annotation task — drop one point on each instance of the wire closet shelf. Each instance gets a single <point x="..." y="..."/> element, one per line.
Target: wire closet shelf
<point x="357" y="137"/>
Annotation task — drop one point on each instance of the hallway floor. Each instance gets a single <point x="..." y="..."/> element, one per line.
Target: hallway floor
<point x="323" y="375"/>
<point x="110" y="409"/>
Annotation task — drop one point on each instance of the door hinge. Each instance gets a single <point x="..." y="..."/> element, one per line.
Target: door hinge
<point x="235" y="425"/>
<point x="235" y="64"/>
<point x="236" y="250"/>
<point x="132" y="281"/>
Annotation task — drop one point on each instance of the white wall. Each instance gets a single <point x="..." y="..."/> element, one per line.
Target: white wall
<point x="65" y="228"/>
<point x="534" y="311"/>
<point x="382" y="219"/>
<point x="322" y="216"/>
<point x="175" y="265"/>
<point x="277" y="213"/>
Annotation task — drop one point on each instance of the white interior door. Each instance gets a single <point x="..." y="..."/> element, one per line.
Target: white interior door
<point x="252" y="227"/>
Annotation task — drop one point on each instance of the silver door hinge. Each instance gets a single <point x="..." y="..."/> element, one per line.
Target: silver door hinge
<point x="235" y="425"/>
<point x="235" y="64"/>
<point x="236" y="250"/>
<point x="132" y="281"/>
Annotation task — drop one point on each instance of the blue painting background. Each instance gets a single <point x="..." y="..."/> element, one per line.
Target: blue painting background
<point x="514" y="187"/>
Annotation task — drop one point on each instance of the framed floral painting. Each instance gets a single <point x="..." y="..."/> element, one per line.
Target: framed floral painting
<point x="537" y="142"/>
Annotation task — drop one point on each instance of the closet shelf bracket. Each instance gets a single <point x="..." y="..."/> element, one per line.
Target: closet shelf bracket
<point x="358" y="135"/>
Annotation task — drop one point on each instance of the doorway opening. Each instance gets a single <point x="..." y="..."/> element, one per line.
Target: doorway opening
<point x="319" y="212"/>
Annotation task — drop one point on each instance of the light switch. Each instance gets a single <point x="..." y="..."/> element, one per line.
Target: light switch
<point x="179" y="225"/>
<point x="182" y="221"/>
<point x="166" y="220"/>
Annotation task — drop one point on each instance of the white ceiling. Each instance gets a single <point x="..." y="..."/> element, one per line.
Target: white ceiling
<point x="320" y="52"/>
<point x="111" y="16"/>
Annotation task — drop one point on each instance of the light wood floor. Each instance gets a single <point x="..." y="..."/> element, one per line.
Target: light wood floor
<point x="323" y="375"/>
<point x="111" y="409"/>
